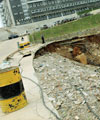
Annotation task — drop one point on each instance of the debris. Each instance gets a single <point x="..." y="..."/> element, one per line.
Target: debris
<point x="61" y="77"/>
<point x="4" y="65"/>
<point x="98" y="97"/>
<point x="51" y="99"/>
<point x="82" y="58"/>
<point x="77" y="102"/>
<point x="58" y="105"/>
<point x="85" y="93"/>
<point x="76" y="51"/>
<point x="76" y="118"/>
<point x="70" y="49"/>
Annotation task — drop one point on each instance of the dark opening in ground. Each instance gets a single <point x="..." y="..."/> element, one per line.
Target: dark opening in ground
<point x="73" y="88"/>
<point x="82" y="49"/>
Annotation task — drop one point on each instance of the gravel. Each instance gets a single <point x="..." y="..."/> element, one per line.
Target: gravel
<point x="73" y="88"/>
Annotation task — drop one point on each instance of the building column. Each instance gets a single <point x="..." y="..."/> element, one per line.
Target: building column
<point x="62" y="14"/>
<point x="47" y="17"/>
<point x="10" y="12"/>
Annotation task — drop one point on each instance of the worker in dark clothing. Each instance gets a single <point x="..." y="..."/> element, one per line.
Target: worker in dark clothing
<point x="22" y="39"/>
<point x="43" y="41"/>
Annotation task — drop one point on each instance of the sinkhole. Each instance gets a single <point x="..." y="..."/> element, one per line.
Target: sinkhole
<point x="85" y="49"/>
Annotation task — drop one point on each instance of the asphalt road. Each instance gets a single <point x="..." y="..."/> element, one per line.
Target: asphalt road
<point x="8" y="47"/>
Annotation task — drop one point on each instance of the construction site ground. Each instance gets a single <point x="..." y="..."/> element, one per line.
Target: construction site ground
<point x="69" y="74"/>
<point x="35" y="109"/>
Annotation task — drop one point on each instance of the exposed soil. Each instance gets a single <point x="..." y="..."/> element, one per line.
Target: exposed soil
<point x="72" y="87"/>
<point x="90" y="46"/>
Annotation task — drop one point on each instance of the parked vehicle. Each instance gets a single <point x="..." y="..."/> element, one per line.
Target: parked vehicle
<point x="44" y="27"/>
<point x="13" y="36"/>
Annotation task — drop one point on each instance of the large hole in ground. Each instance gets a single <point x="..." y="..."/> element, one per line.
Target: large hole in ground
<point x="84" y="49"/>
<point x="73" y="88"/>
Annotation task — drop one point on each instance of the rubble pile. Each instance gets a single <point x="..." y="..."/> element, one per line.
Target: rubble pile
<point x="93" y="53"/>
<point x="72" y="87"/>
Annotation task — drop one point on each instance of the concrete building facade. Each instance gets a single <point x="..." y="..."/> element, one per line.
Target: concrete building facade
<point x="20" y="12"/>
<point x="48" y="9"/>
<point x="2" y="16"/>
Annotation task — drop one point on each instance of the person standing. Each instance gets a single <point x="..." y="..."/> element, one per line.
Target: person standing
<point x="22" y="39"/>
<point x="43" y="41"/>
